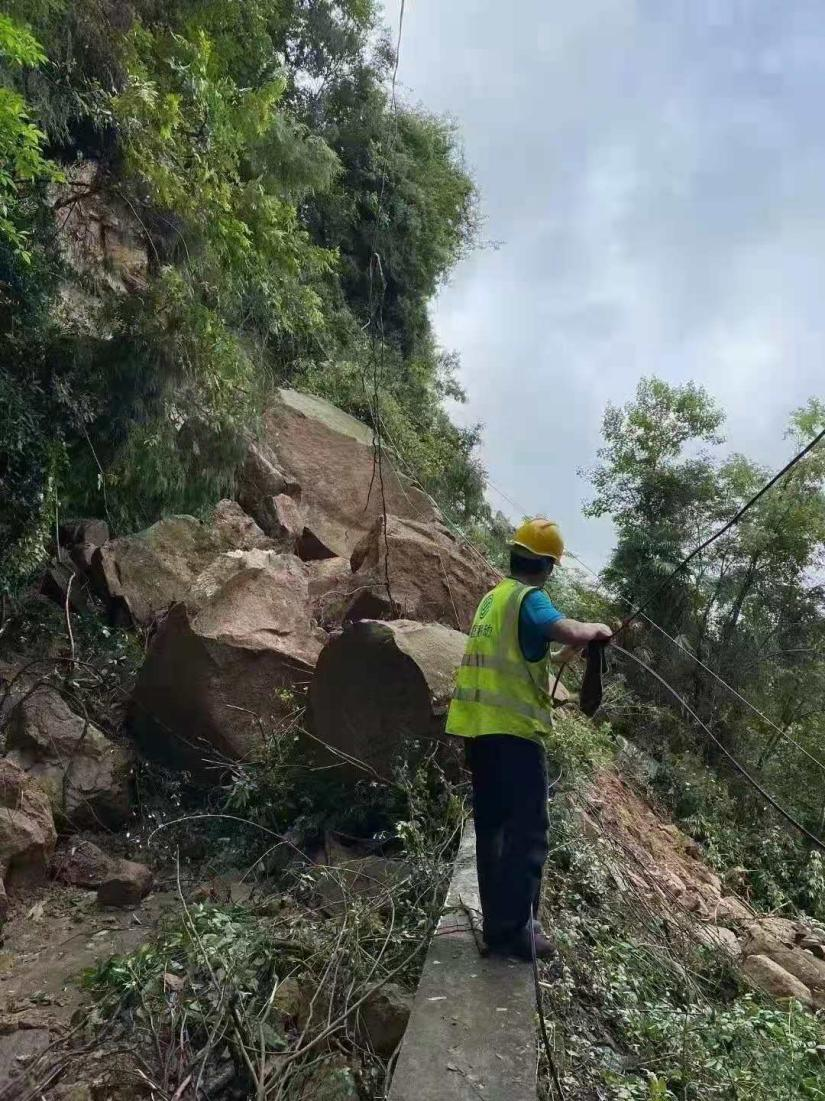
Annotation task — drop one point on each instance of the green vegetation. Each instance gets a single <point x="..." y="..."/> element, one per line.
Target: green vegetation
<point x="266" y="994"/>
<point x="291" y="227"/>
<point x="751" y="607"/>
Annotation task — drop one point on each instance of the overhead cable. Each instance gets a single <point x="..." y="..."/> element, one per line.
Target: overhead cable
<point x="766" y="795"/>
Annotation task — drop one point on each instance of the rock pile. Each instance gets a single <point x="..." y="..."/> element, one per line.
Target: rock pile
<point x="783" y="957"/>
<point x="329" y="582"/>
<point x="324" y="572"/>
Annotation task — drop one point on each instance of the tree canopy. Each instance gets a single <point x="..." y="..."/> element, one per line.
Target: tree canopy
<point x="751" y="607"/>
<point x="296" y="220"/>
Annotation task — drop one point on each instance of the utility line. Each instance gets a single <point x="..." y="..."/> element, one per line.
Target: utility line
<point x="756" y="711"/>
<point x="766" y="795"/>
<point x="641" y="614"/>
<point x="725" y="527"/>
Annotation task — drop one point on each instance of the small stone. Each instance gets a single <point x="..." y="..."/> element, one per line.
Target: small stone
<point x="330" y="1083"/>
<point x="383" y="1018"/>
<point x="709" y="878"/>
<point x="718" y="937"/>
<point x="126" y="884"/>
<point x="693" y="902"/>
<point x="731" y="911"/>
<point x="784" y="929"/>
<point x="81" y="864"/>
<point x="671" y="883"/>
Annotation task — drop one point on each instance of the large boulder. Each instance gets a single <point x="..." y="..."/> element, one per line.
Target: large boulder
<point x="78" y="540"/>
<point x="226" y="566"/>
<point x="420" y="571"/>
<point x="771" y="977"/>
<point x="325" y="461"/>
<point x="379" y="686"/>
<point x="217" y="680"/>
<point x="27" y="833"/>
<point x="85" y="776"/>
<point x="261" y="482"/>
<point x="768" y="933"/>
<point x="237" y="530"/>
<point x="144" y="574"/>
<point x="805" y="967"/>
<point x="63" y="583"/>
<point x="83" y="532"/>
<point x="330" y="582"/>
<point x="81" y="863"/>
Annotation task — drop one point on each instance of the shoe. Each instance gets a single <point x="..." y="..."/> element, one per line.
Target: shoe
<point x="520" y="946"/>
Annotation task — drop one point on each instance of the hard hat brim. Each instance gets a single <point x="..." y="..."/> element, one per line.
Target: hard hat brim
<point x="530" y="553"/>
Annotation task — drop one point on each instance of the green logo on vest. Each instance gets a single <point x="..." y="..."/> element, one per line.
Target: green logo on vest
<point x="485" y="606"/>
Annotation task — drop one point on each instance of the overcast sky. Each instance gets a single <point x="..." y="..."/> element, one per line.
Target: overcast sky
<point x="654" y="171"/>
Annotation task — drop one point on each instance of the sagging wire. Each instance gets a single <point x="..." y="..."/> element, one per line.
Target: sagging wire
<point x="712" y="672"/>
<point x="766" y="795"/>
<point x="545" y="1039"/>
<point x="639" y="611"/>
<point x="734" y="520"/>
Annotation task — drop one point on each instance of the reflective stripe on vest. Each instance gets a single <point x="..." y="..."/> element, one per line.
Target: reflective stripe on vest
<point x="507" y="703"/>
<point x="497" y="690"/>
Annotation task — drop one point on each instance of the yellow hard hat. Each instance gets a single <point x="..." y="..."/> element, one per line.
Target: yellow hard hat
<point x="541" y="537"/>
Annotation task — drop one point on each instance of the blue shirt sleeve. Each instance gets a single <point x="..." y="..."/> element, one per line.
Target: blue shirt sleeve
<point x="537" y="613"/>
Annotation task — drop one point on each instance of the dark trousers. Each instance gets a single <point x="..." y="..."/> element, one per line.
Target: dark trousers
<point x="510" y="809"/>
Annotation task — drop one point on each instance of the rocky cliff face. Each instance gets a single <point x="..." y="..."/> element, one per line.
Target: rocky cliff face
<point x="101" y="240"/>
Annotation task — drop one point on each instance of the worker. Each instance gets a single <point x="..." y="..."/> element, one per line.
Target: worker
<point x="502" y="707"/>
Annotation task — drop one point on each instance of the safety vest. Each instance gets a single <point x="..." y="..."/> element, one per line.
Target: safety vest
<point x="497" y="690"/>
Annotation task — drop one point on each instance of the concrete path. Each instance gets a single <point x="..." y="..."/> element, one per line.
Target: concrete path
<point x="472" y="1030"/>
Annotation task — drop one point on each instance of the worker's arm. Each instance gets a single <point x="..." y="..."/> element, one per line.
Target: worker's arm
<point x="541" y="620"/>
<point x="573" y="633"/>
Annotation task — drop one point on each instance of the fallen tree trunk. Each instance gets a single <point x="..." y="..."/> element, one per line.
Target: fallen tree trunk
<point x="379" y="687"/>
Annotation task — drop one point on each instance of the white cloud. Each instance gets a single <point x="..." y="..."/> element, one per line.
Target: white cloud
<point x="655" y="173"/>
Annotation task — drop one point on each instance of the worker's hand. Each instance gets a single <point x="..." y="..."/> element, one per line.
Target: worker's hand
<point x="601" y="632"/>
